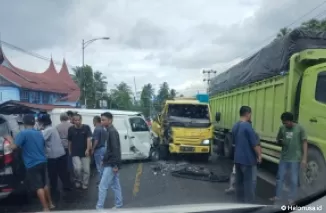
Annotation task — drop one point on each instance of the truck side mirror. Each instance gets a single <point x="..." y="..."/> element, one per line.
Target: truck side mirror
<point x="217" y="116"/>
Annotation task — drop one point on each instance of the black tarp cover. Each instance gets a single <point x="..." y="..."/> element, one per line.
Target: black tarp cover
<point x="270" y="61"/>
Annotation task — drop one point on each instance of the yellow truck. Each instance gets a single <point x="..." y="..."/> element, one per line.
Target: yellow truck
<point x="287" y="75"/>
<point x="183" y="127"/>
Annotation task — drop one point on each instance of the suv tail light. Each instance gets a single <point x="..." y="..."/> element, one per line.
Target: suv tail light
<point x="7" y="152"/>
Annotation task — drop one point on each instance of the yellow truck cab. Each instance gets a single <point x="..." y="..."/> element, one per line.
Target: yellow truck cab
<point x="184" y="127"/>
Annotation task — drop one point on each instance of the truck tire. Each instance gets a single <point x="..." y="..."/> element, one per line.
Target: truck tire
<point x="228" y="146"/>
<point x="312" y="179"/>
<point x="164" y="152"/>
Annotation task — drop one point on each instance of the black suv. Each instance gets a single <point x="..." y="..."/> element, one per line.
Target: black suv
<point x="12" y="169"/>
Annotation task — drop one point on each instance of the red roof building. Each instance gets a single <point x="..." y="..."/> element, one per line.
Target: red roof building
<point x="47" y="88"/>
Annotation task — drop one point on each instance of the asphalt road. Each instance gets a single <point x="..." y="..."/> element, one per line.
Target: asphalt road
<point x="144" y="184"/>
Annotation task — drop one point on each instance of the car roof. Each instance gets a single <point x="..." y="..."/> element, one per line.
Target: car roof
<point x="96" y="111"/>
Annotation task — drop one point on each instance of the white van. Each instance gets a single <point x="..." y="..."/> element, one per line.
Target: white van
<point x="135" y="135"/>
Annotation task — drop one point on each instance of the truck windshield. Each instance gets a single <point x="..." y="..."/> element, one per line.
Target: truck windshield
<point x="191" y="111"/>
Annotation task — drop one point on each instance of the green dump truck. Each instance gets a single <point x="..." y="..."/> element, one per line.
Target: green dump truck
<point x="287" y="75"/>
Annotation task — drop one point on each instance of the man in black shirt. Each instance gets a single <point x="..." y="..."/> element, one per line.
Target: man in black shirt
<point x="80" y="146"/>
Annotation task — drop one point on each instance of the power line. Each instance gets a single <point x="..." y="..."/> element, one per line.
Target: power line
<point x="287" y="26"/>
<point x="36" y="55"/>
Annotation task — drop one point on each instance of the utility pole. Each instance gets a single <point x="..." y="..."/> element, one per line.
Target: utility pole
<point x="208" y="77"/>
<point x="135" y="90"/>
<point x="84" y="45"/>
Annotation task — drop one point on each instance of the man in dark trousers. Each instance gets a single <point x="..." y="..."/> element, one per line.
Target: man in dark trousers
<point x="111" y="164"/>
<point x="247" y="155"/>
<point x="32" y="143"/>
<point x="293" y="139"/>
<point x="80" y="146"/>
<point x="100" y="136"/>
<point x="63" y="128"/>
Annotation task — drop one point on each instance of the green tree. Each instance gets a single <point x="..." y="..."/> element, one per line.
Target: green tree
<point x="314" y="25"/>
<point x="146" y="99"/>
<point x="162" y="96"/>
<point x="85" y="80"/>
<point x="283" y="31"/>
<point x="100" y="85"/>
<point x="121" y="96"/>
<point x="172" y="94"/>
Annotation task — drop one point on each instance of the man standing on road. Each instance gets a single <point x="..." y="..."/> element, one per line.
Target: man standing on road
<point x="63" y="132"/>
<point x="111" y="164"/>
<point x="247" y="154"/>
<point x="231" y="188"/>
<point x="80" y="145"/>
<point x="293" y="139"/>
<point x="32" y="144"/>
<point x="100" y="137"/>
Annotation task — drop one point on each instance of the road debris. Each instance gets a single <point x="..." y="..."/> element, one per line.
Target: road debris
<point x="188" y="171"/>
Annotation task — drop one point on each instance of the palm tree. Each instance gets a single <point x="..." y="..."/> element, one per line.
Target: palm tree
<point x="146" y="99"/>
<point x="313" y="24"/>
<point x="121" y="95"/>
<point x="283" y="32"/>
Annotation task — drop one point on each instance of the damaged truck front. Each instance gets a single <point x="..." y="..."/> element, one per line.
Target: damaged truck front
<point x="184" y="127"/>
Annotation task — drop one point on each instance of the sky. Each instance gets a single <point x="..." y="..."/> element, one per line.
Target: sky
<point x="150" y="41"/>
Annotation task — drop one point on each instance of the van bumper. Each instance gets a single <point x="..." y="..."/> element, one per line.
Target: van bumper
<point x="189" y="149"/>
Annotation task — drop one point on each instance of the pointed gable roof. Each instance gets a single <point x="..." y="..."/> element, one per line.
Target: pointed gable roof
<point x="2" y="57"/>
<point x="50" y="80"/>
<point x="51" y="71"/>
<point x="69" y="82"/>
<point x="65" y="76"/>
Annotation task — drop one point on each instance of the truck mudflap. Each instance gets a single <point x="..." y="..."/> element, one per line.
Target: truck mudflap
<point x="173" y="148"/>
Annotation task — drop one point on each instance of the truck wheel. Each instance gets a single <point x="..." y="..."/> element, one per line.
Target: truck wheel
<point x="163" y="152"/>
<point x="228" y="146"/>
<point x="312" y="179"/>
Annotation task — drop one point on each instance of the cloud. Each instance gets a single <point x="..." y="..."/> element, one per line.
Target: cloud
<point x="150" y="41"/>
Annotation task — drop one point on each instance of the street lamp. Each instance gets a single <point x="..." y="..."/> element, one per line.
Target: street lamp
<point x="84" y="45"/>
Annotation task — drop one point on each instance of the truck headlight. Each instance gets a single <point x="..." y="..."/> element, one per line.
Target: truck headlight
<point x="206" y="142"/>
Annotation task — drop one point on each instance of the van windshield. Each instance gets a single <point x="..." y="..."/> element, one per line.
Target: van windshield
<point x="190" y="111"/>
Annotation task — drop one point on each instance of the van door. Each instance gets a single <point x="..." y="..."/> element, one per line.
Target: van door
<point x="120" y="123"/>
<point x="312" y="111"/>
<point x="140" y="137"/>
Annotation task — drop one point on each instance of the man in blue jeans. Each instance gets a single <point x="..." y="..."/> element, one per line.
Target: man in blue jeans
<point x="111" y="164"/>
<point x="100" y="137"/>
<point x="293" y="139"/>
<point x="247" y="155"/>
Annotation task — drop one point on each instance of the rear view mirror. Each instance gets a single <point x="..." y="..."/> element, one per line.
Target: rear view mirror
<point x="217" y="116"/>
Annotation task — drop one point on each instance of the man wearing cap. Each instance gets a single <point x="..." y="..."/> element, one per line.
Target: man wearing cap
<point x="32" y="144"/>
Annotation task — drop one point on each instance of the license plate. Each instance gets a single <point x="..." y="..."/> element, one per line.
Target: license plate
<point x="187" y="149"/>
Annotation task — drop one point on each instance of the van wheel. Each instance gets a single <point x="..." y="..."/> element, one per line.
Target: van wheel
<point x="312" y="179"/>
<point x="154" y="154"/>
<point x="228" y="146"/>
<point x="164" y="152"/>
